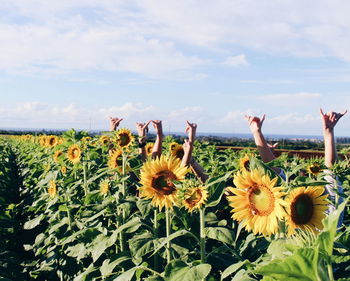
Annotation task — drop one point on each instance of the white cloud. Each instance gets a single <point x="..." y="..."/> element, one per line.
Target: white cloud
<point x="295" y="99"/>
<point x="152" y="37"/>
<point x="239" y="60"/>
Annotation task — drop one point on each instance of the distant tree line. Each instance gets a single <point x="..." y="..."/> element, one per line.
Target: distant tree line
<point x="284" y="143"/>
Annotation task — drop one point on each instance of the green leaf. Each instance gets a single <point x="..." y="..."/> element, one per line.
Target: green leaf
<point x="33" y="223"/>
<point x="78" y="251"/>
<point x="127" y="275"/>
<point x="302" y="265"/>
<point x="233" y="268"/>
<point x="103" y="242"/>
<point x="221" y="234"/>
<point x="107" y="266"/>
<point x="84" y="275"/>
<point x="327" y="237"/>
<point x="172" y="236"/>
<point x="215" y="187"/>
<point x="141" y="245"/>
<point x="180" y="271"/>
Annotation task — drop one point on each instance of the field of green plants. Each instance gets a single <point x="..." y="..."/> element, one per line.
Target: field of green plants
<point x="76" y="207"/>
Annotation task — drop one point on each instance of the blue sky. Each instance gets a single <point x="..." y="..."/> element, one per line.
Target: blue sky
<point x="72" y="63"/>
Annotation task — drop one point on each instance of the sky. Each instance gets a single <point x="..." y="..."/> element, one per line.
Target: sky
<point x="73" y="63"/>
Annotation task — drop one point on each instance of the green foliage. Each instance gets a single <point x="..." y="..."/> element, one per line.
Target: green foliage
<point x="82" y="234"/>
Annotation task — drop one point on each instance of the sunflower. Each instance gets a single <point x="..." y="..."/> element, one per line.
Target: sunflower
<point x="86" y="139"/>
<point x="244" y="163"/>
<point x="314" y="169"/>
<point x="57" y="155"/>
<point x="104" y="140"/>
<point x="74" y="153"/>
<point x="124" y="138"/>
<point x="104" y="187"/>
<point x="63" y="169"/>
<point x="149" y="148"/>
<point x="51" y="141"/>
<point x="176" y="150"/>
<point x="256" y="202"/>
<point x="173" y="145"/>
<point x="195" y="197"/>
<point x="116" y="160"/>
<point x="306" y="208"/>
<point x="52" y="189"/>
<point x="157" y="179"/>
<point x="43" y="141"/>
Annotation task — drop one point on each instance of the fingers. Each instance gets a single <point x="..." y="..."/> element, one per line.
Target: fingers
<point x="321" y="112"/>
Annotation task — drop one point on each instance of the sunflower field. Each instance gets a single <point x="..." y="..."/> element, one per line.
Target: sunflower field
<point x="80" y="207"/>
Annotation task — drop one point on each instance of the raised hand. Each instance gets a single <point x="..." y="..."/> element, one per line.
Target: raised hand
<point x="157" y="125"/>
<point x="272" y="146"/>
<point x="191" y="131"/>
<point x="142" y="129"/>
<point x="255" y="123"/>
<point x="114" y="123"/>
<point x="330" y="119"/>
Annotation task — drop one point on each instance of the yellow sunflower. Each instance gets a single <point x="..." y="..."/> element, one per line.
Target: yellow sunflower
<point x="52" y="189"/>
<point x="43" y="141"/>
<point x="51" y="141"/>
<point x="74" y="153"/>
<point x="149" y="148"/>
<point x="124" y="138"/>
<point x="104" y="187"/>
<point x="306" y="208"/>
<point x="314" y="169"/>
<point x="57" y="155"/>
<point x="195" y="198"/>
<point x="256" y="202"/>
<point x="104" y="140"/>
<point x="176" y="150"/>
<point x="86" y="139"/>
<point x="173" y="145"/>
<point x="157" y="179"/>
<point x="116" y="160"/>
<point x="244" y="163"/>
<point x="63" y="169"/>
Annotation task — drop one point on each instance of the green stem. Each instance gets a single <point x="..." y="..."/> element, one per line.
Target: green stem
<point x="330" y="271"/>
<point x="68" y="212"/>
<point x="85" y="181"/>
<point x="167" y="225"/>
<point x="155" y="227"/>
<point x="202" y="234"/>
<point x="122" y="234"/>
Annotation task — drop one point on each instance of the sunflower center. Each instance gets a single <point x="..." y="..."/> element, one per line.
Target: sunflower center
<point x="124" y="139"/>
<point x="118" y="162"/>
<point x="194" y="198"/>
<point x="75" y="153"/>
<point x="261" y="200"/>
<point x="302" y="209"/>
<point x="52" y="141"/>
<point x="180" y="153"/>
<point x="162" y="182"/>
<point x="315" y="169"/>
<point x="246" y="165"/>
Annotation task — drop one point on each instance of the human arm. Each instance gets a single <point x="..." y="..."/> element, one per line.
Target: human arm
<point x="329" y="120"/>
<point x="157" y="148"/>
<point x="142" y="129"/>
<point x="255" y="125"/>
<point x="114" y="123"/>
<point x="187" y="159"/>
